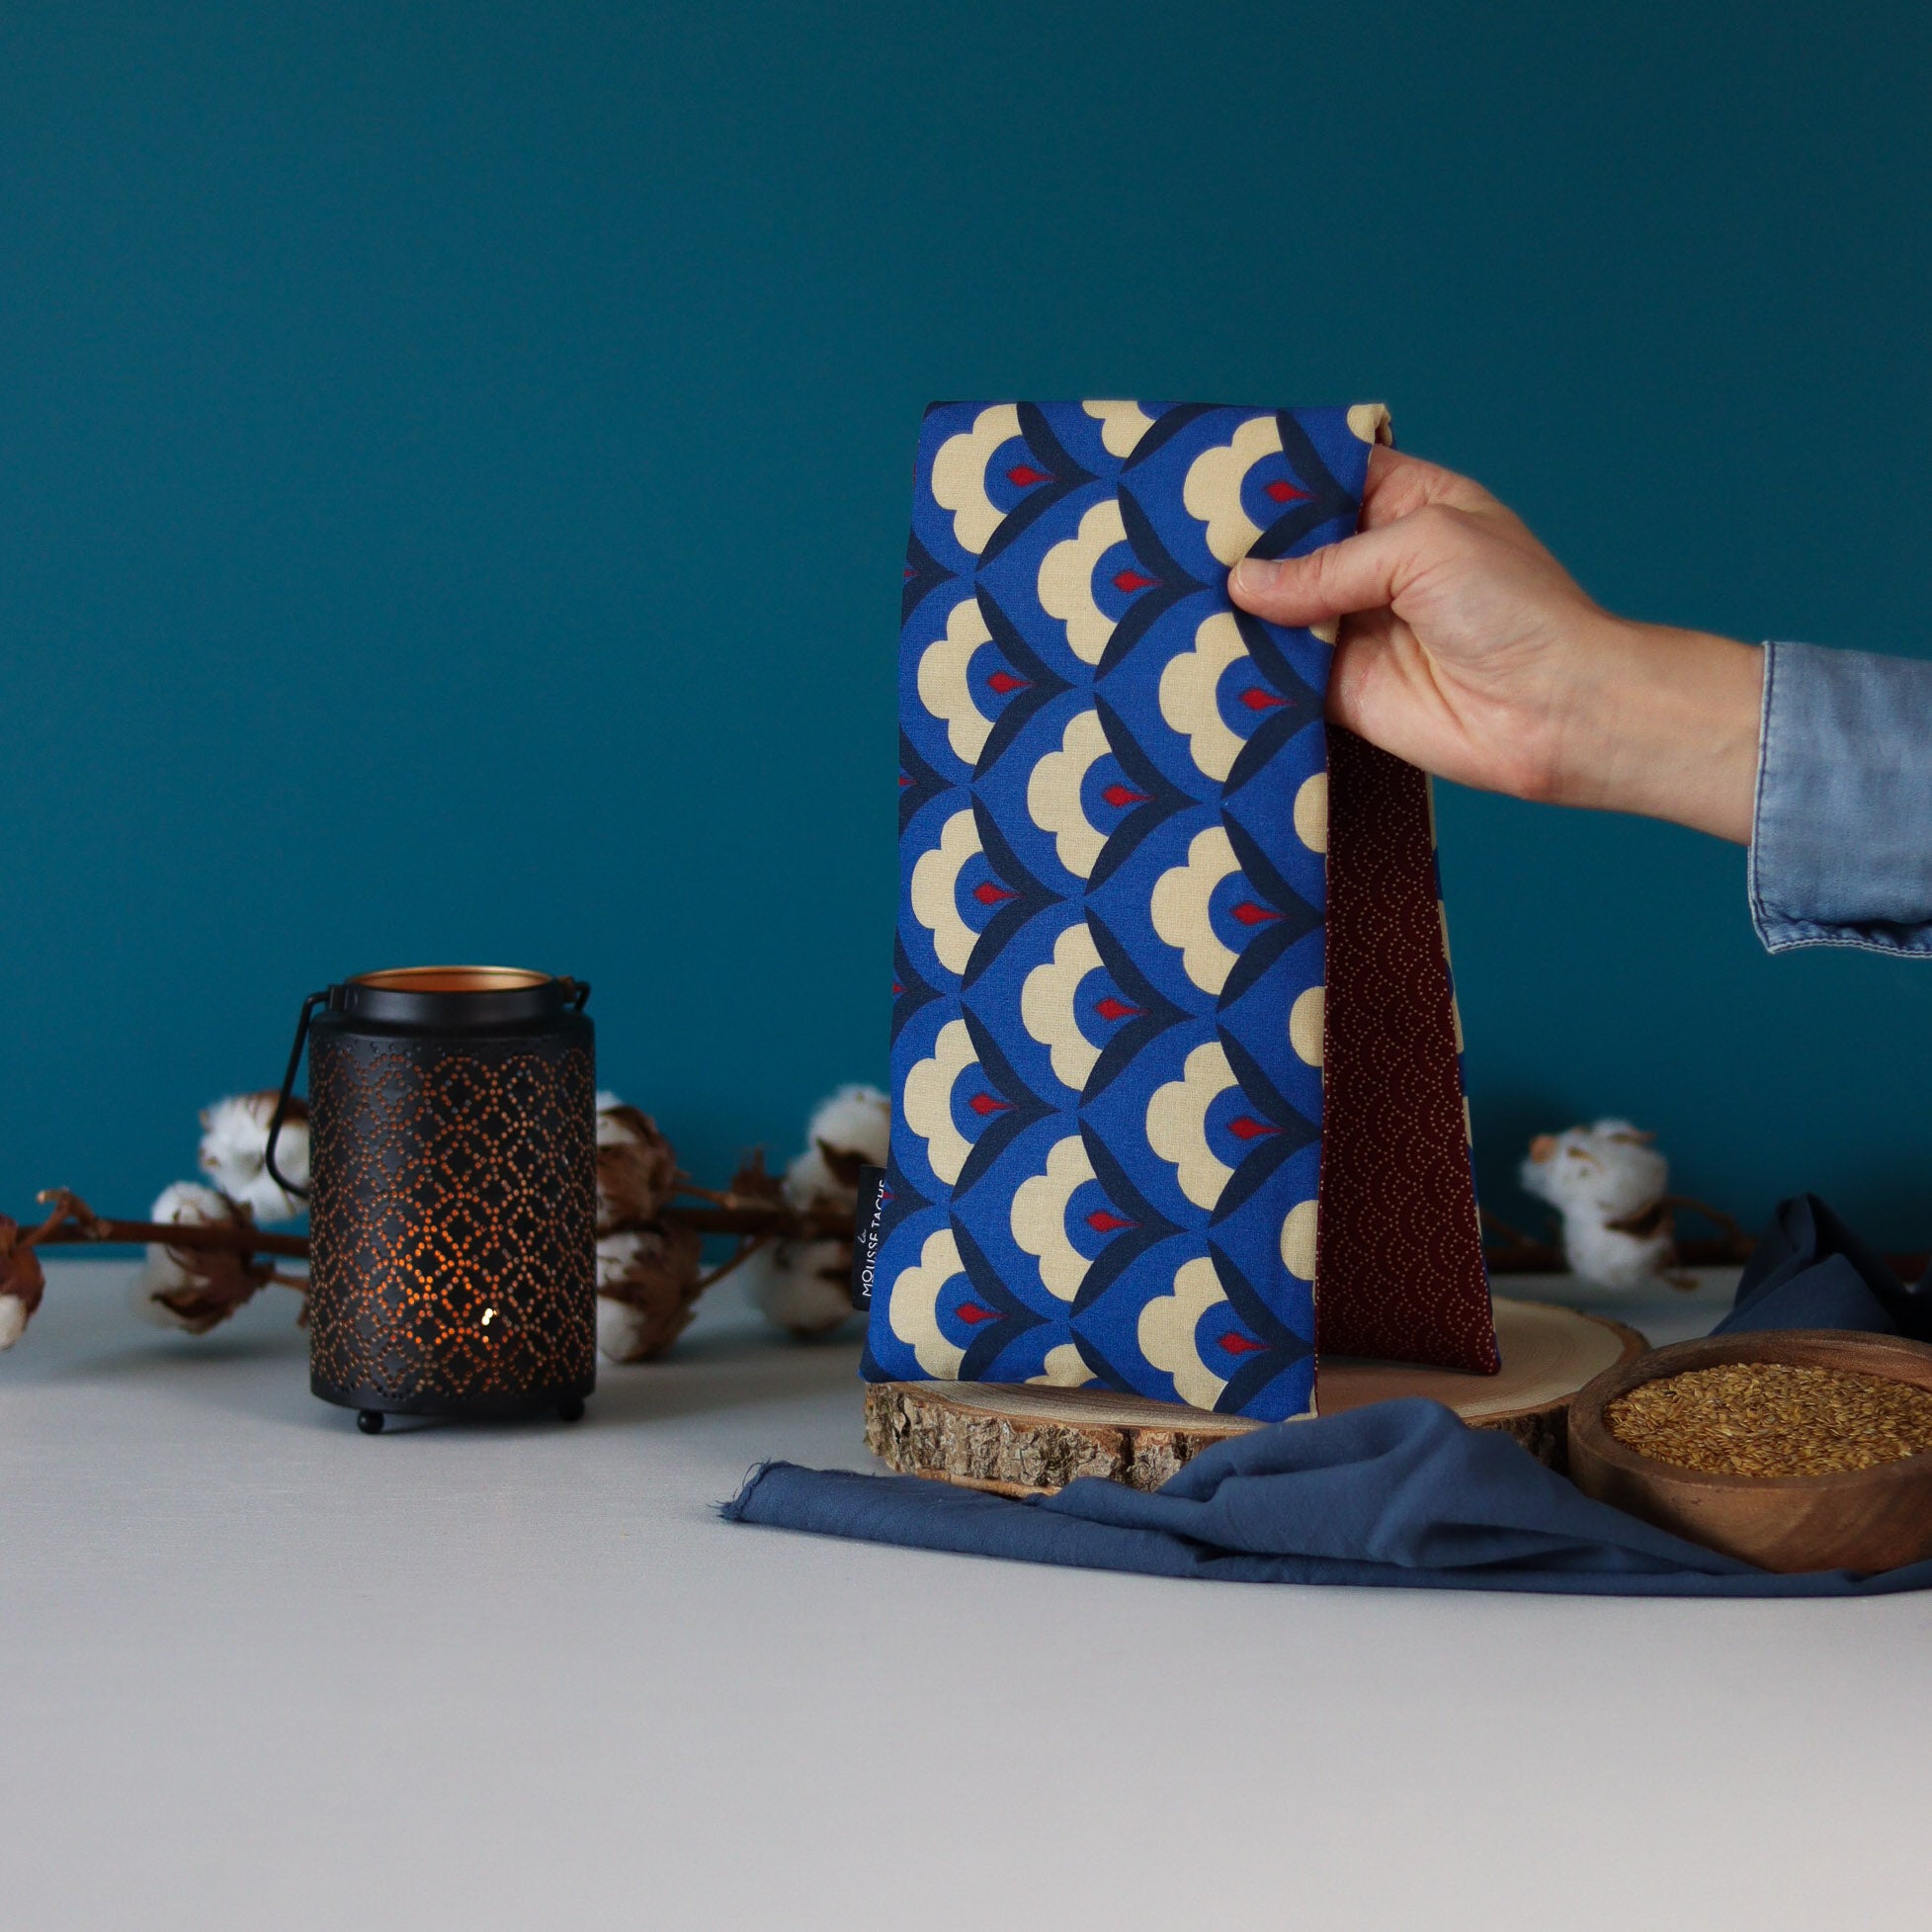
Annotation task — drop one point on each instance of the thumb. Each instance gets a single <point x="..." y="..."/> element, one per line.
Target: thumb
<point x="1363" y="572"/>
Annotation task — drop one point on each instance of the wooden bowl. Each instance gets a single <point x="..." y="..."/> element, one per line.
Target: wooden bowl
<point x="1861" y="1520"/>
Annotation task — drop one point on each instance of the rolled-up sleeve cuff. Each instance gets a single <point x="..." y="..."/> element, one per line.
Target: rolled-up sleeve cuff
<point x="1841" y="838"/>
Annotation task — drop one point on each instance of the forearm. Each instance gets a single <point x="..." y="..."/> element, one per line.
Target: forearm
<point x="1662" y="722"/>
<point x="1820" y="760"/>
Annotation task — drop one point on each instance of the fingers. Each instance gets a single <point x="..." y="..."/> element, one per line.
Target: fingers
<point x="1361" y="661"/>
<point x="1399" y="485"/>
<point x="1409" y="510"/>
<point x="1360" y="573"/>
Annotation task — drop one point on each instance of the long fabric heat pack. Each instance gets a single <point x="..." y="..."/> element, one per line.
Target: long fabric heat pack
<point x="1176" y="1070"/>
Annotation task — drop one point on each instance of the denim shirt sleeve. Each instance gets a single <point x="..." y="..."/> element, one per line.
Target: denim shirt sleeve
<point x="1841" y="841"/>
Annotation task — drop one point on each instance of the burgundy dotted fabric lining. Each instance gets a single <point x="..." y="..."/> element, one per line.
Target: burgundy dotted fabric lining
<point x="1398" y="1272"/>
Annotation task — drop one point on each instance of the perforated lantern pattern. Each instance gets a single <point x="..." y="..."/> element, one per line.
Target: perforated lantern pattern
<point x="453" y="1220"/>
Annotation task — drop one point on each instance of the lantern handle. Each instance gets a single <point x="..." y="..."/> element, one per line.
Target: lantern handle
<point x="287" y="1186"/>
<point x="583" y="992"/>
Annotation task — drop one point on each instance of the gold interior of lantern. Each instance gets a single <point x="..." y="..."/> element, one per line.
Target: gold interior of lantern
<point x="453" y="979"/>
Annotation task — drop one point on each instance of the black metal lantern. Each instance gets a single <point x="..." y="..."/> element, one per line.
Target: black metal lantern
<point x="452" y="1193"/>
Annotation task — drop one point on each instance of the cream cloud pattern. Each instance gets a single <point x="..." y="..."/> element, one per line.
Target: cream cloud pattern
<point x="1312" y="811"/>
<point x="935" y="891"/>
<point x="927" y="1103"/>
<point x="1211" y="493"/>
<point x="1039" y="1216"/>
<point x="914" y="1307"/>
<point x="1304" y="1024"/>
<point x="1189" y="684"/>
<point x="1065" y="582"/>
<point x="1166" y="1331"/>
<point x="1063" y="1367"/>
<point x="960" y="474"/>
<point x="1298" y="1240"/>
<point x="1122" y="425"/>
<point x="1053" y="793"/>
<point x="1179" y="908"/>
<point x="1177" y="1124"/>
<point x="1048" y="1010"/>
<point x="1369" y="421"/>
<point x="945" y="688"/>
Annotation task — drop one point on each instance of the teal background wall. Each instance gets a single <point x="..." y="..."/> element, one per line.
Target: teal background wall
<point x="453" y="459"/>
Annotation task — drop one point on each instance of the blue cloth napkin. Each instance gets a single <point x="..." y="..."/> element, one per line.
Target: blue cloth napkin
<point x="1811" y="1271"/>
<point x="1399" y="1493"/>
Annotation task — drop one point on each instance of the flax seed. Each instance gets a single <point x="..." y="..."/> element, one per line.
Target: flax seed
<point x="1770" y="1418"/>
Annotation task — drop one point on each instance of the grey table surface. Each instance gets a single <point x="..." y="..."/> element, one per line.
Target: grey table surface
<point x="258" y="1670"/>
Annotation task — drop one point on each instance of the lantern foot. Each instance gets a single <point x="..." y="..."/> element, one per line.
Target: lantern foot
<point x="572" y="1411"/>
<point x="370" y="1421"/>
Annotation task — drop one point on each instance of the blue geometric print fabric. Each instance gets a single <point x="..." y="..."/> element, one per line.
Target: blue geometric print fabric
<point x="1108" y="997"/>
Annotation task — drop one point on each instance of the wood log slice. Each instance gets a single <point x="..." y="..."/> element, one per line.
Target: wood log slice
<point x="1031" y="1440"/>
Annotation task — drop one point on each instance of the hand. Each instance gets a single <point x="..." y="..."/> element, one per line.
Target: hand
<point x="1469" y="651"/>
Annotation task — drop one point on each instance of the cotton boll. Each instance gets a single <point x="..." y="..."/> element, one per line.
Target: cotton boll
<point x="809" y="1182"/>
<point x="637" y="1166"/>
<point x="234" y="1152"/>
<point x="856" y="1120"/>
<point x="22" y="1283"/>
<point x="801" y="1286"/>
<point x="1596" y="1176"/>
<point x="190" y="1287"/>
<point x="759" y="1275"/>
<point x="850" y="1129"/>
<point x="625" y="1332"/>
<point x="646" y="1290"/>
<point x="1610" y="1170"/>
<point x="1615" y="1258"/>
<point x="648" y="1256"/>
